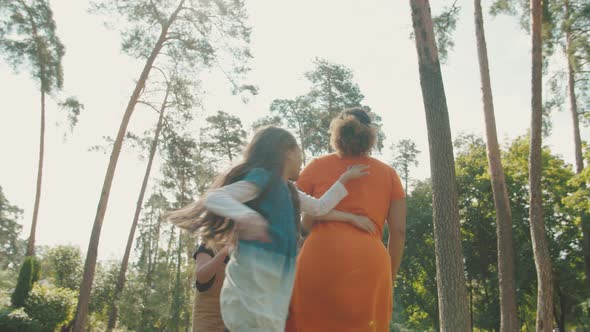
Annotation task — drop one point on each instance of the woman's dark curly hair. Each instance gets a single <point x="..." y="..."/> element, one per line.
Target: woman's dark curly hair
<point x="351" y="132"/>
<point x="267" y="150"/>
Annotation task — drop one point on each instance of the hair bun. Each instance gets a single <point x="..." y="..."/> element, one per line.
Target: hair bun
<point x="352" y="133"/>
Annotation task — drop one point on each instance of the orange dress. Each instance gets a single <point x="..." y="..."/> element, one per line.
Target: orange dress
<point x="343" y="275"/>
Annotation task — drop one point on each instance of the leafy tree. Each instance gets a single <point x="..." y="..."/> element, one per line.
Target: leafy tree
<point x="64" y="266"/>
<point x="224" y="135"/>
<point x="178" y="97"/>
<point x="445" y="25"/>
<point x="299" y="115"/>
<point x="309" y="115"/>
<point x="405" y="156"/>
<point x="52" y="306"/>
<point x="193" y="34"/>
<point x="332" y="90"/>
<point x="11" y="247"/>
<point x="415" y="288"/>
<point x="186" y="173"/>
<point x="28" y="38"/>
<point x="29" y="275"/>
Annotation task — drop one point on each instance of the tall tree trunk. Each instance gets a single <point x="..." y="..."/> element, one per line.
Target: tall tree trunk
<point x="585" y="219"/>
<point x="124" y="264"/>
<point x="406" y="177"/>
<point x="538" y="234"/>
<point x="190" y="245"/>
<point x="506" y="274"/>
<point x="559" y="314"/>
<point x="169" y="253"/>
<point x="44" y="89"/>
<point x="177" y="293"/>
<point x="452" y="292"/>
<point x="471" y="304"/>
<point x="32" y="235"/>
<point x="91" y="256"/>
<point x="155" y="247"/>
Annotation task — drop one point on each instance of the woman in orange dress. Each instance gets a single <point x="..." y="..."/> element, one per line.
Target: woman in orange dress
<point x="344" y="275"/>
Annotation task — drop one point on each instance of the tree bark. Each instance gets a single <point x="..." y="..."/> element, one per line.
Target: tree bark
<point x="452" y="292"/>
<point x="32" y="235"/>
<point x="124" y="264"/>
<point x="538" y="234"/>
<point x="44" y="89"/>
<point x="91" y="256"/>
<point x="585" y="219"/>
<point x="506" y="274"/>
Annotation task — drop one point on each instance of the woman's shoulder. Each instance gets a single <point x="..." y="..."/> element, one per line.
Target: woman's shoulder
<point x="374" y="162"/>
<point x="332" y="157"/>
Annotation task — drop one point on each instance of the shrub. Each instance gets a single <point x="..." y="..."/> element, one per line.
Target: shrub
<point x="52" y="306"/>
<point x="17" y="320"/>
<point x="29" y="273"/>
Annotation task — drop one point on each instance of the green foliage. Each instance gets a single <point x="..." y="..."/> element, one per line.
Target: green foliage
<point x="7" y="283"/>
<point x="52" y="306"/>
<point x="103" y="288"/>
<point x="298" y="114"/>
<point x="332" y="90"/>
<point x="63" y="266"/>
<point x="28" y="275"/>
<point x="12" y="248"/>
<point x="17" y="320"/>
<point x="27" y="36"/>
<point x="268" y="121"/>
<point x="415" y="292"/>
<point x="224" y="135"/>
<point x="199" y="34"/>
<point x="415" y="288"/>
<point x="405" y="156"/>
<point x="73" y="107"/>
<point x="187" y="169"/>
<point x="309" y="116"/>
<point x="444" y="25"/>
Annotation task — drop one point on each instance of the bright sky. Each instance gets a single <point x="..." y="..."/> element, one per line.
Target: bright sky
<point x="371" y="37"/>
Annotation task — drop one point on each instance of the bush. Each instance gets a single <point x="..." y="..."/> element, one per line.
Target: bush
<point x="29" y="274"/>
<point x="17" y="320"/>
<point x="52" y="306"/>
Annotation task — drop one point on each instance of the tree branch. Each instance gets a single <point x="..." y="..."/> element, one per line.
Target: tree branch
<point x="149" y="105"/>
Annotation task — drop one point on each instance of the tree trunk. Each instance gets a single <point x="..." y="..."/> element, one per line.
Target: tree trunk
<point x="176" y="300"/>
<point x="406" y="177"/>
<point x="32" y="235"/>
<point x="538" y="235"/>
<point x="169" y="253"/>
<point x="91" y="256"/>
<point x="44" y="88"/>
<point x="121" y="280"/>
<point x="452" y="292"/>
<point x="560" y="315"/>
<point x="190" y="245"/>
<point x="585" y="219"/>
<point x="506" y="274"/>
<point x="471" y="304"/>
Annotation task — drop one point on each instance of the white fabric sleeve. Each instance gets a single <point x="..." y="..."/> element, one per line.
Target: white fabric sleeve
<point x="318" y="207"/>
<point x="227" y="201"/>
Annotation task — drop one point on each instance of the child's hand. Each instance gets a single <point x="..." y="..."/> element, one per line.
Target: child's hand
<point x="364" y="223"/>
<point x="252" y="228"/>
<point x="354" y="172"/>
